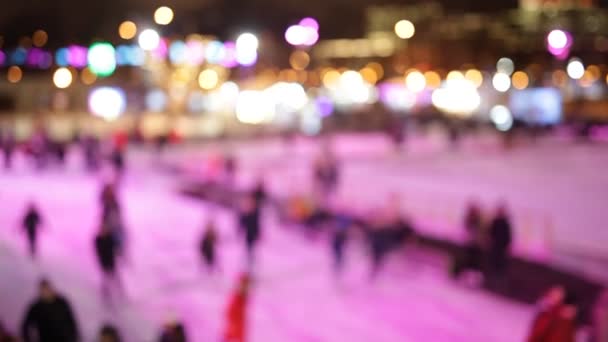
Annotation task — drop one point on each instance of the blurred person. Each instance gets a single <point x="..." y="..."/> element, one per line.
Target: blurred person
<point x="117" y="158"/>
<point x="5" y="336"/>
<point x="91" y="149"/>
<point x="249" y="222"/>
<point x="236" y="313"/>
<point x="109" y="201"/>
<point x="500" y="232"/>
<point x="556" y="318"/>
<point x="106" y="250"/>
<point x="339" y="240"/>
<point x="325" y="172"/>
<point x="230" y="169"/>
<point x="31" y="225"/>
<point x="600" y="318"/>
<point x="173" y="331"/>
<point x="473" y="253"/>
<point x="39" y="148"/>
<point x="49" y="318"/>
<point x="207" y="247"/>
<point x="259" y="193"/>
<point x="8" y="145"/>
<point x="109" y="333"/>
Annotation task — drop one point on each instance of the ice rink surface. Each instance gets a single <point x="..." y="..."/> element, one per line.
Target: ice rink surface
<point x="296" y="297"/>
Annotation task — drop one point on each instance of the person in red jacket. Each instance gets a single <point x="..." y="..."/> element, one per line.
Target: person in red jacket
<point x="237" y="312"/>
<point x="556" y="319"/>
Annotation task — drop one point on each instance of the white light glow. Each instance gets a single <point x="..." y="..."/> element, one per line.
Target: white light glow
<point x="505" y="66"/>
<point x="62" y="78"/>
<point x="108" y="103"/>
<point x="148" y="40"/>
<point x="575" y="69"/>
<point x="458" y="97"/>
<point x="254" y="107"/>
<point x="415" y="81"/>
<point x="501" y="82"/>
<point x="501" y="117"/>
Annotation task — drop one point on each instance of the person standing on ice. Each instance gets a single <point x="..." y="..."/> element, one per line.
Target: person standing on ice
<point x="338" y="241"/>
<point x="236" y="313"/>
<point x="207" y="247"/>
<point x="31" y="225"/>
<point x="500" y="243"/>
<point x="49" y="318"/>
<point x="249" y="222"/>
<point x="325" y="174"/>
<point x="8" y="143"/>
<point x="106" y="250"/>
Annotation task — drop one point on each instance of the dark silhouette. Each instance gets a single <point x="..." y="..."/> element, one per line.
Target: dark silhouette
<point x="173" y="332"/>
<point x="500" y="243"/>
<point x="339" y="240"/>
<point x="106" y="250"/>
<point x="207" y="247"/>
<point x="109" y="334"/>
<point x="31" y="224"/>
<point x="472" y="259"/>
<point x="50" y="318"/>
<point x="5" y="336"/>
<point x="249" y="222"/>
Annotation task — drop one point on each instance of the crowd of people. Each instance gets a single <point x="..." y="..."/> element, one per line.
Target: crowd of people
<point x="486" y="250"/>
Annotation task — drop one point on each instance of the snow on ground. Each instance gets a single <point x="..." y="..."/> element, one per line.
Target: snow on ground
<point x="295" y="298"/>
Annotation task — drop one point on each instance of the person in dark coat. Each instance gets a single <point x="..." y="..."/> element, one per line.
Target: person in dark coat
<point x="106" y="250"/>
<point x="50" y="318"/>
<point x="249" y="221"/>
<point x="472" y="259"/>
<point x="109" y="333"/>
<point x="500" y="242"/>
<point x="207" y="246"/>
<point x="31" y="224"/>
<point x="173" y="332"/>
<point x="338" y="241"/>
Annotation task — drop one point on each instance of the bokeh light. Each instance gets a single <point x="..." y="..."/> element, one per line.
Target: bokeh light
<point x="148" y="39"/>
<point x="457" y="96"/>
<point x="106" y="102"/>
<point x="454" y="75"/>
<point x="378" y="68"/>
<point x="433" y="80"/>
<point x="501" y="117"/>
<point x="254" y="107"/>
<point x="501" y="82"/>
<point x="78" y="56"/>
<point x="302" y="35"/>
<point x="127" y="30"/>
<point x="208" y="79"/>
<point x="405" y="29"/>
<point x="40" y="38"/>
<point x="505" y="66"/>
<point x="178" y="52"/>
<point x="310" y="22"/>
<point x="520" y="80"/>
<point x="475" y="76"/>
<point x="215" y="53"/>
<point x="62" y="78"/>
<point x="163" y="15"/>
<point x="299" y="60"/>
<point x="575" y="69"/>
<point x="557" y="39"/>
<point x="415" y="81"/>
<point x="247" y="49"/>
<point x="369" y="75"/>
<point x="62" y="56"/>
<point x="331" y="78"/>
<point x="156" y="100"/>
<point x="87" y="77"/>
<point x="14" y="74"/>
<point x="102" y="59"/>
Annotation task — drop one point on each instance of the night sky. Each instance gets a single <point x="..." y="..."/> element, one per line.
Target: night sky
<point x="77" y="21"/>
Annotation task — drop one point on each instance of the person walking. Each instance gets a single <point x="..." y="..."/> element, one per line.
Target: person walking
<point x="208" y="245"/>
<point x="339" y="239"/>
<point x="31" y="225"/>
<point x="236" y="313"/>
<point x="49" y="318"/>
<point x="106" y="250"/>
<point x="472" y="258"/>
<point x="249" y="221"/>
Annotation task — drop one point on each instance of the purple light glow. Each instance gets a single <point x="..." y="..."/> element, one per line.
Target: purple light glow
<point x="77" y="56"/>
<point x="559" y="43"/>
<point x="230" y="58"/>
<point x="325" y="106"/>
<point x="2" y="58"/>
<point x="46" y="60"/>
<point x="34" y="56"/>
<point x="161" y="50"/>
<point x="310" y="23"/>
<point x="196" y="52"/>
